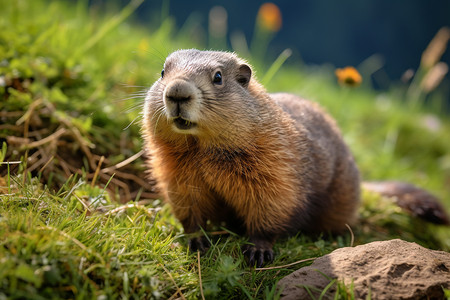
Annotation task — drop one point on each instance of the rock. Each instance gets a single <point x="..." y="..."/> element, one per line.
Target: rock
<point x="392" y="269"/>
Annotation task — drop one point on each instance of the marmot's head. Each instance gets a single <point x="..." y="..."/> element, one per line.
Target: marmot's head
<point x="203" y="94"/>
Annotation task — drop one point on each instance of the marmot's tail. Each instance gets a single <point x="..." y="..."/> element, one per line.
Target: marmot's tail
<point x="416" y="201"/>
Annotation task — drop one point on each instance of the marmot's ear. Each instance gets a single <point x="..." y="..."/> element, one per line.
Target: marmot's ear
<point x="244" y="75"/>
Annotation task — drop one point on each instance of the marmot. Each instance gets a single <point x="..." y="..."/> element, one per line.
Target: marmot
<point x="223" y="149"/>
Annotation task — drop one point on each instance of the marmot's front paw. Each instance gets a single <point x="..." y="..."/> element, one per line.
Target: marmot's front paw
<point x="199" y="244"/>
<point x="259" y="253"/>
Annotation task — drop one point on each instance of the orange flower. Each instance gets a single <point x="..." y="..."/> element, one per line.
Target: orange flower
<point x="348" y="76"/>
<point x="269" y="17"/>
<point x="436" y="48"/>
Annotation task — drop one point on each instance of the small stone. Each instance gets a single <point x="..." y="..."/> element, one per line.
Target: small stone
<point x="392" y="269"/>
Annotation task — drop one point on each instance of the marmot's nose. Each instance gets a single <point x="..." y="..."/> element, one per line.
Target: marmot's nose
<point x="179" y="91"/>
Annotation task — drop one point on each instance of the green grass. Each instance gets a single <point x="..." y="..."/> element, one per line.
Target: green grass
<point x="64" y="232"/>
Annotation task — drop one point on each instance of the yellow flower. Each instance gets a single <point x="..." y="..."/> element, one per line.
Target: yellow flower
<point x="348" y="76"/>
<point x="269" y="17"/>
<point x="143" y="47"/>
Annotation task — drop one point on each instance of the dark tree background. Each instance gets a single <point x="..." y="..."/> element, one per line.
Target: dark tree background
<point x="344" y="32"/>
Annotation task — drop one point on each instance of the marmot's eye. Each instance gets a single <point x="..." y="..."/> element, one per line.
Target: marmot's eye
<point x="217" y="78"/>
<point x="162" y="73"/>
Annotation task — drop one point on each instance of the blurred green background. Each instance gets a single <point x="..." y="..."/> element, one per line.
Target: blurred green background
<point x="392" y="33"/>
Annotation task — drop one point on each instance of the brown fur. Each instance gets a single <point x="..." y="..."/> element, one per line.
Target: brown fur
<point x="271" y="163"/>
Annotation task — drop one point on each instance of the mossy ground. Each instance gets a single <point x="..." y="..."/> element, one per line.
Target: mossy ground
<point x="71" y="82"/>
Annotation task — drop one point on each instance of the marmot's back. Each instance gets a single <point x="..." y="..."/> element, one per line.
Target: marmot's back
<point x="335" y="177"/>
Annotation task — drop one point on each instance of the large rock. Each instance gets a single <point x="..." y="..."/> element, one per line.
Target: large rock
<point x="387" y="270"/>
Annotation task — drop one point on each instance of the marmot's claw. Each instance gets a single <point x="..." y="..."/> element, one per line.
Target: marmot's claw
<point x="199" y="244"/>
<point x="268" y="255"/>
<point x="258" y="255"/>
